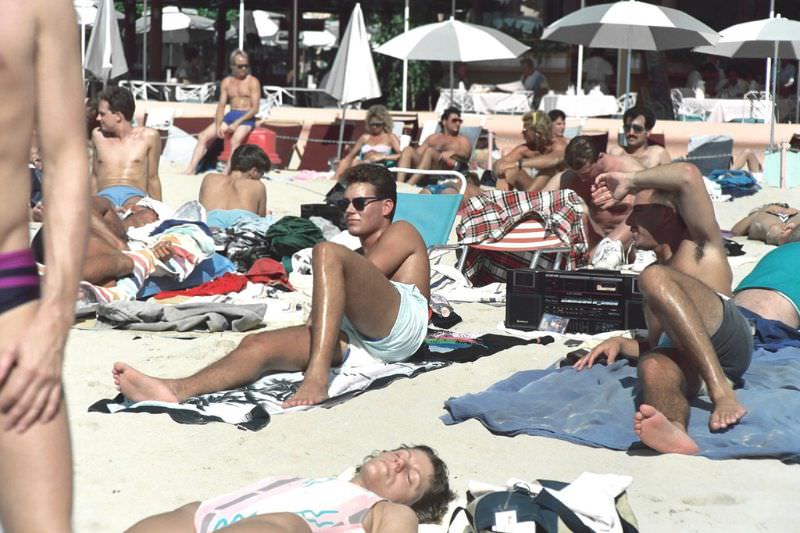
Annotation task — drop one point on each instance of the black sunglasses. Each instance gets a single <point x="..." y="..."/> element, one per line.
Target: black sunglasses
<point x="637" y="128"/>
<point x="243" y="65"/>
<point x="359" y="202"/>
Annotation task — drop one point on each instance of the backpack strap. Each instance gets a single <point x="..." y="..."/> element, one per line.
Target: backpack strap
<point x="546" y="500"/>
<point x="455" y="514"/>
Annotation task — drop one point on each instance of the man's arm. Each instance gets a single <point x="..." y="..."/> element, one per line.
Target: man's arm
<point x="93" y="163"/>
<point x="743" y="226"/>
<point x="394" y="247"/>
<point x="387" y="517"/>
<point x="554" y="184"/>
<point x="509" y="160"/>
<point x="153" y="157"/>
<point x="542" y="161"/>
<point x="685" y="181"/>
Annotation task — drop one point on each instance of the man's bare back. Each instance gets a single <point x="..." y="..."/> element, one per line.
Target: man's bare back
<point x="219" y="191"/>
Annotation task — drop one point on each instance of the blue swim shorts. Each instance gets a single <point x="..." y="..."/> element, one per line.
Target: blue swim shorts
<point x="119" y="194"/>
<point x="234" y="114"/>
<point x="408" y="332"/>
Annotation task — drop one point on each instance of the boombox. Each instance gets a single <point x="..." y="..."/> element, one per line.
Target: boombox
<point x="595" y="301"/>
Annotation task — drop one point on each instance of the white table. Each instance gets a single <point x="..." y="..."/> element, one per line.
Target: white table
<point x="580" y="105"/>
<point x="728" y="109"/>
<point x="485" y="102"/>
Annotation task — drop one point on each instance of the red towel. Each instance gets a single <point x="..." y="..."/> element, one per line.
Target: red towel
<point x="229" y="282"/>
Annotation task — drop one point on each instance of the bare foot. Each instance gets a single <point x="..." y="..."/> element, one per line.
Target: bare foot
<point x="727" y="412"/>
<point x="138" y="387"/>
<point x="660" y="434"/>
<point x="309" y="393"/>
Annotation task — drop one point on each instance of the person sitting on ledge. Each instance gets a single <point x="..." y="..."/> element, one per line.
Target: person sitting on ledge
<point x="376" y="298"/>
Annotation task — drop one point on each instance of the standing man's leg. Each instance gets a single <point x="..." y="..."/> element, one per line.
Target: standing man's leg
<point x="204" y="139"/>
<point x="35" y="466"/>
<point x="345" y="284"/>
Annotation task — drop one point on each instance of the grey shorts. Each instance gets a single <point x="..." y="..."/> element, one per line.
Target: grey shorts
<point x="733" y="342"/>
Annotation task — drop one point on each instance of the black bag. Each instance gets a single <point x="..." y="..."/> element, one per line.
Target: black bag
<point x="547" y="511"/>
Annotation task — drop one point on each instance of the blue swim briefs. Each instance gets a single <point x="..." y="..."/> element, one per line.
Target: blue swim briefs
<point x="234" y="114"/>
<point x="119" y="194"/>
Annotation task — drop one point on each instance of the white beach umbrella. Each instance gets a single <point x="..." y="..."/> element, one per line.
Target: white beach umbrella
<point x="86" y="13"/>
<point x="776" y="37"/>
<point x="452" y="40"/>
<point x="105" y="56"/>
<point x="352" y="77"/>
<point x="630" y="25"/>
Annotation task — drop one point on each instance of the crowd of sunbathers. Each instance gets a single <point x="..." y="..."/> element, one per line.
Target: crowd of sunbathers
<point x="698" y="338"/>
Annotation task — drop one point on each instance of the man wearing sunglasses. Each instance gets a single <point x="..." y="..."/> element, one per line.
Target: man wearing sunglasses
<point x="445" y="150"/>
<point x="242" y="91"/>
<point x="697" y="338"/>
<point x="375" y="299"/>
<point x="637" y="122"/>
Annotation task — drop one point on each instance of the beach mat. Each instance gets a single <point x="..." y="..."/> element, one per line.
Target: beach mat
<point x="250" y="407"/>
<point x="595" y="407"/>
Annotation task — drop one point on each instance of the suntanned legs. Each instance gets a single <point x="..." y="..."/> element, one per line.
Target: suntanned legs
<point x="36" y="466"/>
<point x="690" y="312"/>
<point x="409" y="158"/>
<point x="181" y="520"/>
<point x="344" y="282"/>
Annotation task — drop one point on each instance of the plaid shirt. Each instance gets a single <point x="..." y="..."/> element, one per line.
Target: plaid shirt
<point x="489" y="216"/>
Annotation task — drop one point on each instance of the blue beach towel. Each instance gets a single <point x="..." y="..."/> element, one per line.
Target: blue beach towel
<point x="595" y="407"/>
<point x="735" y="182"/>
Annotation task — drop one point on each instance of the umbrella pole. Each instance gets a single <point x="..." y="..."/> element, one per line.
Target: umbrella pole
<point x="405" y="61"/>
<point x="627" y="82"/>
<point x="580" y="60"/>
<point x="341" y="133"/>
<point x="774" y="102"/>
<point x="83" y="50"/>
<point x="451" y="83"/>
<point x="144" y="45"/>
<point x="241" y="24"/>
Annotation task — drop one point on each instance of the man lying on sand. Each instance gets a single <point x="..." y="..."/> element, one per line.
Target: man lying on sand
<point x="608" y="232"/>
<point x="377" y="298"/>
<point x="125" y="166"/>
<point x="771" y="223"/>
<point x="696" y="335"/>
<point x="391" y="491"/>
<point x="240" y="194"/>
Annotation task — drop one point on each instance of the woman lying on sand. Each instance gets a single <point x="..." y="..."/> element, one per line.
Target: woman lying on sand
<point x="391" y="491"/>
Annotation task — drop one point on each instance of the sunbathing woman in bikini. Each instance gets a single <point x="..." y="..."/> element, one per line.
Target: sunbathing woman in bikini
<point x="378" y="145"/>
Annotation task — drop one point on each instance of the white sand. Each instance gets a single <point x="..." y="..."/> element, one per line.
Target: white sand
<point x="130" y="466"/>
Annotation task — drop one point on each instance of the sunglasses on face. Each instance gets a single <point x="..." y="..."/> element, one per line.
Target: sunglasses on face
<point x="636" y="128"/>
<point x="376" y="124"/>
<point x="359" y="202"/>
<point x="457" y="120"/>
<point x="242" y="65"/>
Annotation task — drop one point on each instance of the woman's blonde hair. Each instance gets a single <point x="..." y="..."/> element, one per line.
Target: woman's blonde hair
<point x="380" y="112"/>
<point x="539" y="122"/>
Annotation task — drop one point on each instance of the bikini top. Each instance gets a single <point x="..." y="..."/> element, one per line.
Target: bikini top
<point x="380" y="148"/>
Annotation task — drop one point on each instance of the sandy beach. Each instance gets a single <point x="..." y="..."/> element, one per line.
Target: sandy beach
<point x="128" y="466"/>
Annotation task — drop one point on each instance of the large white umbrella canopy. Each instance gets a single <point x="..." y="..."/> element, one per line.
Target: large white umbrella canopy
<point x="352" y="77"/>
<point x="105" y="57"/>
<point x="176" y="24"/>
<point x="453" y="40"/>
<point x="630" y="25"/>
<point x="777" y="37"/>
